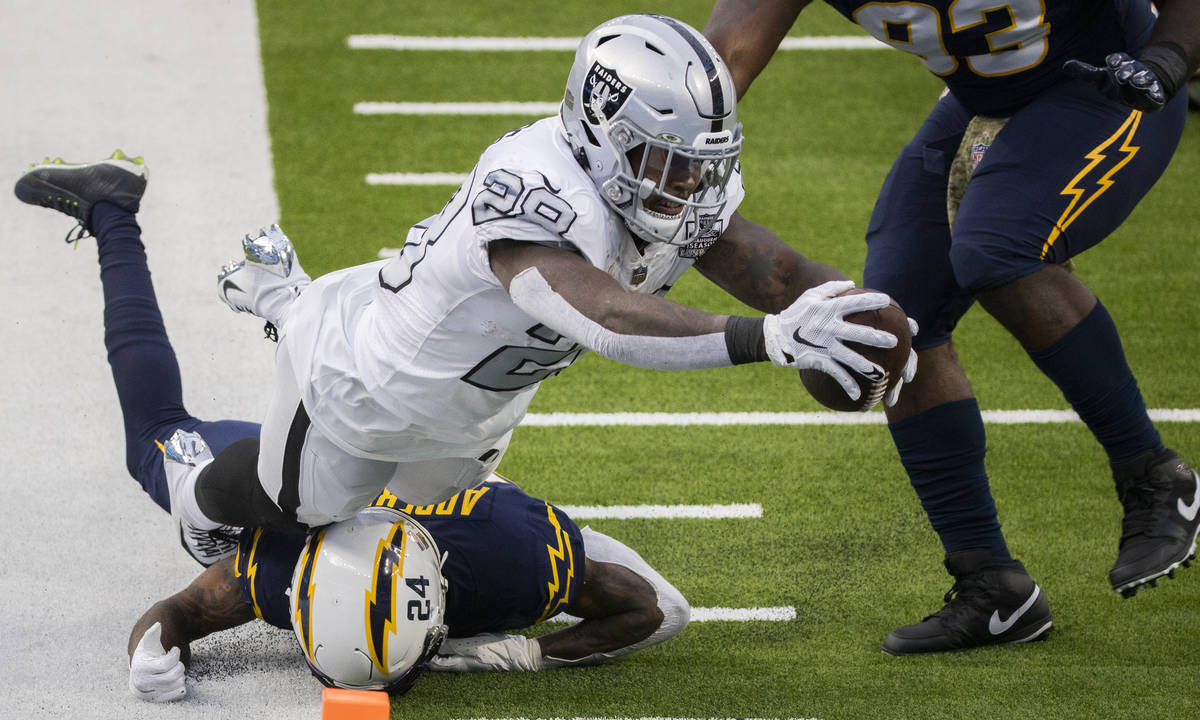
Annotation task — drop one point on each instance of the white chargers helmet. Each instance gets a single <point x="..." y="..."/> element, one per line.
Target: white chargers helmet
<point x="648" y="93"/>
<point x="367" y="601"/>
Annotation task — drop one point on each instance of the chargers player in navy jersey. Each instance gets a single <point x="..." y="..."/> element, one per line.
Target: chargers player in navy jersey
<point x="511" y="560"/>
<point x="1074" y="107"/>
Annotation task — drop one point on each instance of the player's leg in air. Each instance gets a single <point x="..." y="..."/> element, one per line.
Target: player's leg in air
<point x="1012" y="262"/>
<point x="163" y="442"/>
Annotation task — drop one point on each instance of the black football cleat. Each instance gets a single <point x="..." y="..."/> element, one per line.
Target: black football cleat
<point x="75" y="188"/>
<point x="989" y="604"/>
<point x="1161" y="496"/>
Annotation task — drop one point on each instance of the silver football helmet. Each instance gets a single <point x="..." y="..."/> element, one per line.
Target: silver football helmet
<point x="367" y="601"/>
<point x="650" y="111"/>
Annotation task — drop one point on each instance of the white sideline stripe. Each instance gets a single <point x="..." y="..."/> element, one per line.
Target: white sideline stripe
<point x="996" y="417"/>
<point x="504" y="44"/>
<point x="719" y="614"/>
<point x="440" y="178"/>
<point x="661" y="512"/>
<point x="631" y="718"/>
<point x="456" y="108"/>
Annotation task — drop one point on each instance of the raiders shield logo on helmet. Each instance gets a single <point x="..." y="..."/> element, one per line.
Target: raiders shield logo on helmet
<point x="604" y="93"/>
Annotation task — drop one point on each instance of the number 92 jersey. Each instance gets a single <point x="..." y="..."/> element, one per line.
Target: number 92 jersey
<point x="997" y="56"/>
<point x="512" y="560"/>
<point x="425" y="355"/>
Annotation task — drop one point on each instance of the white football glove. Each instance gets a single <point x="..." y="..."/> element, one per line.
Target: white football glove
<point x="489" y="651"/>
<point x="156" y="675"/>
<point x="811" y="333"/>
<point x="909" y="372"/>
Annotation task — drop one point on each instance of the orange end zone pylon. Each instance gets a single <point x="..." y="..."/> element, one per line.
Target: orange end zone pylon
<point x="338" y="704"/>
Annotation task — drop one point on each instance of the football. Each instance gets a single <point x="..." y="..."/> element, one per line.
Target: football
<point x="829" y="393"/>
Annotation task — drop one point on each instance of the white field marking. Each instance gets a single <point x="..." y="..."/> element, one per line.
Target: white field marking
<point x="996" y="417"/>
<point x="441" y="178"/>
<point x="786" y="613"/>
<point x="455" y="108"/>
<point x="662" y="512"/>
<point x="565" y="44"/>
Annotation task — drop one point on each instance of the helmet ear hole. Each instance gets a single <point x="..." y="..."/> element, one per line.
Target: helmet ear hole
<point x="590" y="136"/>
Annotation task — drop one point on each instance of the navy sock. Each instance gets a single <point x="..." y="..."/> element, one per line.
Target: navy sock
<point x="143" y="363"/>
<point x="942" y="449"/>
<point x="1088" y="366"/>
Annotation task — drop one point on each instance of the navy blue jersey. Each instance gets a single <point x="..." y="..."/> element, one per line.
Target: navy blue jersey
<point x="512" y="560"/>
<point x="996" y="58"/>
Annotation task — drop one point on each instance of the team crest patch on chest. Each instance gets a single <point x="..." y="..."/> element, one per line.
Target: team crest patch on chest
<point x="706" y="233"/>
<point x="604" y="93"/>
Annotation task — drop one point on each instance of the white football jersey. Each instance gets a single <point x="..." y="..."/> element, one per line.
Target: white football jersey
<point x="425" y="355"/>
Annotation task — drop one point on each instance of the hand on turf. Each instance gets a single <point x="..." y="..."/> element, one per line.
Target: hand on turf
<point x="489" y="651"/>
<point x="1123" y="79"/>
<point x="156" y="675"/>
<point x="909" y="372"/>
<point x="811" y="333"/>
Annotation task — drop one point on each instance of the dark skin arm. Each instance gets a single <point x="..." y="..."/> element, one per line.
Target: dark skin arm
<point x="212" y="602"/>
<point x="747" y="32"/>
<point x="618" y="608"/>
<point x="754" y="265"/>
<point x="749" y="262"/>
<point x="598" y="296"/>
<point x="1179" y="23"/>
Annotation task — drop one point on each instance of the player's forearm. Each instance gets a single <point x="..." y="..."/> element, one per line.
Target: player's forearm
<point x="746" y="33"/>
<point x="1179" y="24"/>
<point x="606" y="636"/>
<point x="212" y="602"/>
<point x="752" y="264"/>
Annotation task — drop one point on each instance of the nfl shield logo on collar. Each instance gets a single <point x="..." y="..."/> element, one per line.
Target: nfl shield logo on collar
<point x="639" y="275"/>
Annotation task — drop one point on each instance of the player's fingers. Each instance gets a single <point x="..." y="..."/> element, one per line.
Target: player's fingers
<point x="838" y="373"/>
<point x="866" y="335"/>
<point x="447" y="663"/>
<point x="913" y="327"/>
<point x="832" y="288"/>
<point x="1082" y="70"/>
<point x="151" y="641"/>
<point x="860" y="302"/>
<point x="910" y="367"/>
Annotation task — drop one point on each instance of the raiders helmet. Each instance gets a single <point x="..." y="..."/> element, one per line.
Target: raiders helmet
<point x="648" y="96"/>
<point x="367" y="601"/>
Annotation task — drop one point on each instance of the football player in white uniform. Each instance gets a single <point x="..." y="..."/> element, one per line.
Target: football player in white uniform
<point x="411" y="373"/>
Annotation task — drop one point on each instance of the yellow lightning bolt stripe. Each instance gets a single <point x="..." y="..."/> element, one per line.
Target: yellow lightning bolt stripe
<point x="1098" y="154"/>
<point x="251" y="571"/>
<point x="303" y="619"/>
<point x="562" y="553"/>
<point x="379" y="654"/>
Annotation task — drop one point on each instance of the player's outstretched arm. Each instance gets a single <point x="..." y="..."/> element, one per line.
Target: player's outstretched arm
<point x="747" y="32"/>
<point x="160" y="644"/>
<point x="624" y="606"/>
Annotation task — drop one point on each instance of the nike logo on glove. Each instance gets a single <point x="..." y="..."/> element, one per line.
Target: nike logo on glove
<point x="802" y="341"/>
<point x="1189" y="511"/>
<point x="996" y="626"/>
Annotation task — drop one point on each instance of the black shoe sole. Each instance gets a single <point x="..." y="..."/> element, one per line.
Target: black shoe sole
<point x="1038" y="634"/>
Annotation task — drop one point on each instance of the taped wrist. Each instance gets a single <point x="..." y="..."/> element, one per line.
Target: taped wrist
<point x="1169" y="63"/>
<point x="744" y="340"/>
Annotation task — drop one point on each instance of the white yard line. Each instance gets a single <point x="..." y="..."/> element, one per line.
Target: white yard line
<point x="996" y="417"/>
<point x="568" y="44"/>
<point x="456" y="108"/>
<point x="786" y="613"/>
<point x="438" y="178"/>
<point x="662" y="512"/>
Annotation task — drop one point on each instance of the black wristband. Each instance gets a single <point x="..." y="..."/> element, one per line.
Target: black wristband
<point x="1169" y="63"/>
<point x="744" y="340"/>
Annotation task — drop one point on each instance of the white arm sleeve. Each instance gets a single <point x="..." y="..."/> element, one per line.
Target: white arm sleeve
<point x="530" y="292"/>
<point x="599" y="547"/>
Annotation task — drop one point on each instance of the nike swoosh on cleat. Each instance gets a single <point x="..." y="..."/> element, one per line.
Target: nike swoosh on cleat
<point x="997" y="626"/>
<point x="227" y="286"/>
<point x="1189" y="511"/>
